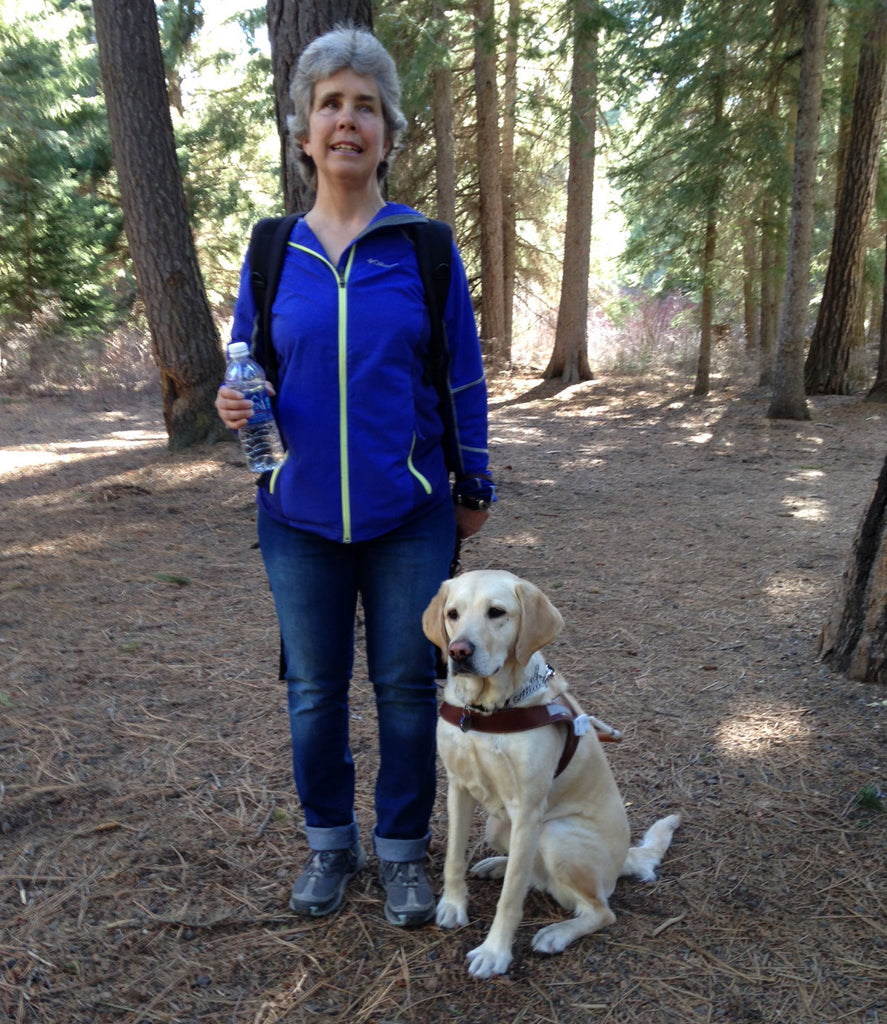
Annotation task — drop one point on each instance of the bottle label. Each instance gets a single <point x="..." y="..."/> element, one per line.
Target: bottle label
<point x="261" y="408"/>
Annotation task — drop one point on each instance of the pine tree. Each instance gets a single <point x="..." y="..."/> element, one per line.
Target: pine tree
<point x="569" y="360"/>
<point x="486" y="91"/>
<point x="839" y="312"/>
<point x="787" y="401"/>
<point x="184" y="339"/>
<point x="59" y="221"/>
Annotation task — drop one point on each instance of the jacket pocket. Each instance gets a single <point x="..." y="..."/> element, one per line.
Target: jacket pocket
<point x="423" y="480"/>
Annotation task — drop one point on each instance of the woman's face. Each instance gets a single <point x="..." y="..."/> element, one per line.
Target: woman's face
<point x="347" y="137"/>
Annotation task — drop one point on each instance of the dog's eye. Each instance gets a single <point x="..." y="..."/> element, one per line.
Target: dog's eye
<point x="452" y="615"/>
<point x="495" y="613"/>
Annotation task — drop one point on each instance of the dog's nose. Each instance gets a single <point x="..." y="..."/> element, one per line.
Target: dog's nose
<point x="460" y="650"/>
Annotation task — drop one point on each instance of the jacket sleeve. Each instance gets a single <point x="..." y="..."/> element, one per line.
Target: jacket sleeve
<point x="244" y="322"/>
<point x="466" y="374"/>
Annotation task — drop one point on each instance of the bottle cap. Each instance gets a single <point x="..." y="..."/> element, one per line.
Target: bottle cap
<point x="238" y="349"/>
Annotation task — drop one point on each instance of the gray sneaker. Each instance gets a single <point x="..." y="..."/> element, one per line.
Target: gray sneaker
<point x="410" y="900"/>
<point x="318" y="890"/>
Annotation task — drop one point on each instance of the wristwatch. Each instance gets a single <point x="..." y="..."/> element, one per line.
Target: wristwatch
<point x="474" y="493"/>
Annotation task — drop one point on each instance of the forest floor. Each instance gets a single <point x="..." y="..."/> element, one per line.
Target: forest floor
<point x="150" y="832"/>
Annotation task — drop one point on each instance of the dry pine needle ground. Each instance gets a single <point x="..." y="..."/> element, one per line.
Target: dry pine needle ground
<point x="149" y="829"/>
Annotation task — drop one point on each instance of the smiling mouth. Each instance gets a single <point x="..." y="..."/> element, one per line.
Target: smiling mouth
<point x="346" y="147"/>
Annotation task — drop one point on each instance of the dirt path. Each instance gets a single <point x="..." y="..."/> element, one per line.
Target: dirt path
<point x="149" y="830"/>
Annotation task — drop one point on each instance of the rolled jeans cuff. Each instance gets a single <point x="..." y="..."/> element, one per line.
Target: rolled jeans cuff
<point x="342" y="837"/>
<point x="400" y="851"/>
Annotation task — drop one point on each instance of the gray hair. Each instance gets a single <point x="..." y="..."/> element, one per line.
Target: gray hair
<point x="358" y="50"/>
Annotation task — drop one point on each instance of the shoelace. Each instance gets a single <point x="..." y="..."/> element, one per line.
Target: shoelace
<point x="321" y="863"/>
<point x="406" y="873"/>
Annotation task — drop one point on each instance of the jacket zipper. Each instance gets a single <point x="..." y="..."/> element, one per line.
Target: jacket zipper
<point x="344" y="471"/>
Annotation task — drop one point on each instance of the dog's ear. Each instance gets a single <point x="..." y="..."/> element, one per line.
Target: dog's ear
<point x="433" y="623"/>
<point x="540" y="621"/>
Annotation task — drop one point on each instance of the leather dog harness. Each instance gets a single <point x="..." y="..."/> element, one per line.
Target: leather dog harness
<point x="509" y="720"/>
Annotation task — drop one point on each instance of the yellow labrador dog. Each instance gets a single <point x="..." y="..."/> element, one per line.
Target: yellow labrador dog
<point x="508" y="739"/>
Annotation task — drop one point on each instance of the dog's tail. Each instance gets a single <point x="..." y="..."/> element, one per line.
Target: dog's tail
<point x="643" y="859"/>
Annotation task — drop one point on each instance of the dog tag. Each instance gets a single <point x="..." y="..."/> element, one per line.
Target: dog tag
<point x="465" y="722"/>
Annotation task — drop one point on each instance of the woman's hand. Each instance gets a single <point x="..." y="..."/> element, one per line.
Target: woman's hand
<point x="233" y="409"/>
<point x="469" y="521"/>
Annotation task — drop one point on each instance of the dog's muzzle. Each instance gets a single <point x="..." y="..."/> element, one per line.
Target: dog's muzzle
<point x="461" y="654"/>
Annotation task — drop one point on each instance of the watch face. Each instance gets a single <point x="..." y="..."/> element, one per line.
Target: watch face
<point x="475" y="504"/>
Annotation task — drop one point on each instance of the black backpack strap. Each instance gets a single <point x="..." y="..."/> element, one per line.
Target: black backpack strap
<point x="434" y="254"/>
<point x="267" y="249"/>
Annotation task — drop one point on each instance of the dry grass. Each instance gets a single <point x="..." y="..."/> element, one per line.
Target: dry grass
<point x="149" y="829"/>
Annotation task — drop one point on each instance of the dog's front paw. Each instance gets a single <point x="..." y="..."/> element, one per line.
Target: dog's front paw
<point x="553" y="939"/>
<point x="450" y="914"/>
<point x="491" y="867"/>
<point x="486" y="960"/>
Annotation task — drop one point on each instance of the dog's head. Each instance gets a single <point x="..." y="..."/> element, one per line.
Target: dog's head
<point x="488" y="620"/>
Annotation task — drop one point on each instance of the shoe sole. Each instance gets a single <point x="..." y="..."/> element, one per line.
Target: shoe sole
<point x="405" y="920"/>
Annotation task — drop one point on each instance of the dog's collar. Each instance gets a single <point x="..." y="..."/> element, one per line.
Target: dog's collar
<point x="539" y="681"/>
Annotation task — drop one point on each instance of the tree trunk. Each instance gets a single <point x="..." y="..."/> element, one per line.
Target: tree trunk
<point x="784" y="83"/>
<point x="750" y="303"/>
<point x="444" y="142"/>
<point x="854" y="26"/>
<point x="292" y="24"/>
<point x="496" y="341"/>
<point x="837" y="324"/>
<point x="718" y="89"/>
<point x="855" y="639"/>
<point x="569" y="360"/>
<point x="878" y="391"/>
<point x="184" y="339"/>
<point x="509" y="213"/>
<point x="703" y="365"/>
<point x="788" y="400"/>
<point x="769" y="334"/>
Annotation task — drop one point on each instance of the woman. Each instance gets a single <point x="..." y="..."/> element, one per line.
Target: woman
<point x="362" y="504"/>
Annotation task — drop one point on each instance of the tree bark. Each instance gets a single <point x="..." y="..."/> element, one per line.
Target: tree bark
<point x="837" y="324"/>
<point x="854" y="640"/>
<point x="444" y="138"/>
<point x="769" y="333"/>
<point x="788" y="400"/>
<point x="496" y="341"/>
<point x="184" y="339"/>
<point x="878" y="392"/>
<point x="751" y="309"/>
<point x="509" y="211"/>
<point x="292" y="24"/>
<point x="569" y="359"/>
<point x="703" y="364"/>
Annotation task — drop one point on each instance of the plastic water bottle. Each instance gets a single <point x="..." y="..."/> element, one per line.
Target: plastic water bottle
<point x="260" y="437"/>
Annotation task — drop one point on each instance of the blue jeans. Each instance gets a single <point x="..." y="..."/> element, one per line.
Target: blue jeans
<point x="316" y="583"/>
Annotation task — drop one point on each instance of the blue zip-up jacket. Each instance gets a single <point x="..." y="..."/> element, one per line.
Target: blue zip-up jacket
<point x="356" y="408"/>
